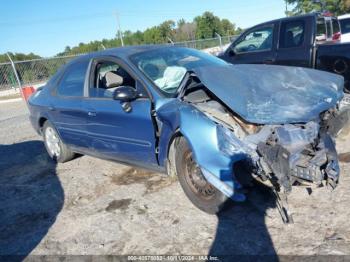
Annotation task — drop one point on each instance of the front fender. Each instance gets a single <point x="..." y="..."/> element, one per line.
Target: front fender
<point x="201" y="134"/>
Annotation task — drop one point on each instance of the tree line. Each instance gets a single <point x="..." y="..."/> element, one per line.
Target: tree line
<point x="336" y="7"/>
<point x="204" y="26"/>
<point x="18" y="57"/>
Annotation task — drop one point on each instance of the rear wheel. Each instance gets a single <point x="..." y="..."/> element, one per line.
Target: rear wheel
<point x="201" y="193"/>
<point x="55" y="147"/>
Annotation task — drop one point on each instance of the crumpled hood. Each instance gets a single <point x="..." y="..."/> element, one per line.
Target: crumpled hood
<point x="268" y="94"/>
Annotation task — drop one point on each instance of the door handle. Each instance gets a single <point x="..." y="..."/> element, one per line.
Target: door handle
<point x="52" y="108"/>
<point x="90" y="113"/>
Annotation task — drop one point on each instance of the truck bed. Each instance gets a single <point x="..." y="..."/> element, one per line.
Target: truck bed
<point x="335" y="58"/>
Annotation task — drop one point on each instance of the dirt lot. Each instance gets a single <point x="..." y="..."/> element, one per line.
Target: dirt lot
<point x="91" y="206"/>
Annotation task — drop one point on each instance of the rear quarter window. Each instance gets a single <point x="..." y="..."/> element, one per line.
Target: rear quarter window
<point x="321" y="31"/>
<point x="336" y="27"/>
<point x="53" y="80"/>
<point x="329" y="29"/>
<point x="73" y="79"/>
<point x="292" y="34"/>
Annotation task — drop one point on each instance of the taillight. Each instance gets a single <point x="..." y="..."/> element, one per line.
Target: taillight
<point x="336" y="36"/>
<point x="327" y="13"/>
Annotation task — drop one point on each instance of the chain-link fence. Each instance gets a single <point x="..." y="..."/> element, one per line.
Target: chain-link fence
<point x="207" y="43"/>
<point x="30" y="72"/>
<point x="38" y="71"/>
<point x="7" y="77"/>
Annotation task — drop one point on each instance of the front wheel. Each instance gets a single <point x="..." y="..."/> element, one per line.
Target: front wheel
<point x="55" y="147"/>
<point x="201" y="193"/>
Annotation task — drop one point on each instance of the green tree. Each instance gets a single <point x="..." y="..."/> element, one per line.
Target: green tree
<point x="207" y="25"/>
<point x="67" y="49"/>
<point x="238" y="31"/>
<point x="228" y="28"/>
<point x="185" y="31"/>
<point x="203" y="26"/>
<point x="152" y="35"/>
<point x="181" y="22"/>
<point x="167" y="29"/>
<point x="336" y="7"/>
<point x="18" y="57"/>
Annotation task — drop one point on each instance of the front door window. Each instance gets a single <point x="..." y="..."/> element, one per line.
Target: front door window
<point x="257" y="40"/>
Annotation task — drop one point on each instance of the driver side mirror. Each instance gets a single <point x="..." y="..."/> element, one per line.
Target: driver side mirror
<point x="125" y="94"/>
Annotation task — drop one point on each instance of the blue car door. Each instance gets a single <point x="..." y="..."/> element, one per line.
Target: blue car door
<point x="113" y="132"/>
<point x="65" y="109"/>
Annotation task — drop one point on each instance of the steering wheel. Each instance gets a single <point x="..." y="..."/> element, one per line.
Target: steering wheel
<point x="252" y="47"/>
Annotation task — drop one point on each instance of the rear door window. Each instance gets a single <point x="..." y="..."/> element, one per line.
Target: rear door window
<point x="336" y="30"/>
<point x="292" y="34"/>
<point x="336" y="27"/>
<point x="321" y="33"/>
<point x="73" y="79"/>
<point x="329" y="29"/>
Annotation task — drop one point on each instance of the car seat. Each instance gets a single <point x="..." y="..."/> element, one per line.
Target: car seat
<point x="127" y="79"/>
<point x="289" y="40"/>
<point x="112" y="81"/>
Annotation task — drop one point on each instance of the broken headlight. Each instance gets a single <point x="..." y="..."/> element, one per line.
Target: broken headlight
<point x="228" y="143"/>
<point x="345" y="102"/>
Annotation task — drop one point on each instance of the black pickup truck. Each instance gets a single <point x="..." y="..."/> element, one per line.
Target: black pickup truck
<point x="310" y="40"/>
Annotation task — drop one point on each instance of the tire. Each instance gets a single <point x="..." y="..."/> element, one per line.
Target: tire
<point x="54" y="145"/>
<point x="200" y="192"/>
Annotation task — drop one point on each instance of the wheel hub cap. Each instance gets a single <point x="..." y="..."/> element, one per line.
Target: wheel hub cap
<point x="52" y="142"/>
<point x="197" y="181"/>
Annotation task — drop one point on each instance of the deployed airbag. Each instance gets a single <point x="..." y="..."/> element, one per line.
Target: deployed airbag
<point x="171" y="78"/>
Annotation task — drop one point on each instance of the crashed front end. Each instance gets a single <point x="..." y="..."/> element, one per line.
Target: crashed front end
<point x="284" y="155"/>
<point x="299" y="154"/>
<point x="285" y="148"/>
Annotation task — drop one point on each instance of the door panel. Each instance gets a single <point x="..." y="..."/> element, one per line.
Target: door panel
<point x="301" y="57"/>
<point x="116" y="134"/>
<point x="295" y="49"/>
<point x="267" y="57"/>
<point x="65" y="109"/>
<point x="69" y="119"/>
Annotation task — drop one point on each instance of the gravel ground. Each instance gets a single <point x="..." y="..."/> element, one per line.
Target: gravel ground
<point x="91" y="206"/>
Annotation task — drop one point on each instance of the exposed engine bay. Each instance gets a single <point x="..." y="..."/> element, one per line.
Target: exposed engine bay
<point x="284" y="155"/>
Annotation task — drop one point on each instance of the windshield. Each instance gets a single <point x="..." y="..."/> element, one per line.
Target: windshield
<point x="167" y="66"/>
<point x="345" y="25"/>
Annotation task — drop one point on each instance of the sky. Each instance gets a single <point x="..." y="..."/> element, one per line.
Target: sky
<point x="47" y="27"/>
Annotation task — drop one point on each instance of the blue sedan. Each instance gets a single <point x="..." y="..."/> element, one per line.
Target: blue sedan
<point x="192" y="115"/>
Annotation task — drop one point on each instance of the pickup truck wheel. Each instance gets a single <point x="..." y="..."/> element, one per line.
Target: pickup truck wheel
<point x="55" y="147"/>
<point x="201" y="193"/>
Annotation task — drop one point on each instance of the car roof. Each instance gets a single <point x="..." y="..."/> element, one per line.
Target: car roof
<point x="290" y="18"/>
<point x="344" y="16"/>
<point x="122" y="52"/>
